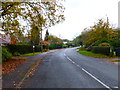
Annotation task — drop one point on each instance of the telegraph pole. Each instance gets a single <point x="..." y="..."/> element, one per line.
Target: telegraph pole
<point x="119" y="20"/>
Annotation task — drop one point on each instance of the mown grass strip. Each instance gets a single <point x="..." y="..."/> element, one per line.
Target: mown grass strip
<point x="91" y="54"/>
<point x="31" y="54"/>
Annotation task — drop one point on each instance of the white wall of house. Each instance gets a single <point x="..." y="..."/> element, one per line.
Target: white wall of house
<point x="4" y="38"/>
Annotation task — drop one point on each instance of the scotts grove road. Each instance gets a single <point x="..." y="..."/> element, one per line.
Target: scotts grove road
<point x="65" y="68"/>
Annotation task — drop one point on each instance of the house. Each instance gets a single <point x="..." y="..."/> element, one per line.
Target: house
<point x="65" y="41"/>
<point x="45" y="42"/>
<point x="4" y="39"/>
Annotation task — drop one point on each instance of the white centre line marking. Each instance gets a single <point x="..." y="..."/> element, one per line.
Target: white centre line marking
<point x="116" y="87"/>
<point x="89" y="73"/>
<point x="64" y="54"/>
<point x="69" y="59"/>
<point x="73" y="62"/>
<point x="78" y="66"/>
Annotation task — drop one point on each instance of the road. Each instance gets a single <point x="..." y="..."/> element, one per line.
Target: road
<point x="65" y="68"/>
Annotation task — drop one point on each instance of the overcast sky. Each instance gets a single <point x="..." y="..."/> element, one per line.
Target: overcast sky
<point x="80" y="14"/>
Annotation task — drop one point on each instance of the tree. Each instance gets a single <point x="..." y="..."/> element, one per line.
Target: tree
<point x="46" y="35"/>
<point x="54" y="39"/>
<point x="55" y="42"/>
<point x="78" y="40"/>
<point x="33" y="14"/>
<point x="100" y="32"/>
<point x="35" y="37"/>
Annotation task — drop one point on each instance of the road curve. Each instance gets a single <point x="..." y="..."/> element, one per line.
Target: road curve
<point x="65" y="68"/>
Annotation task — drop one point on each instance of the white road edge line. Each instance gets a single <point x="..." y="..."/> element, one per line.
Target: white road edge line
<point x="89" y="73"/>
<point x="96" y="79"/>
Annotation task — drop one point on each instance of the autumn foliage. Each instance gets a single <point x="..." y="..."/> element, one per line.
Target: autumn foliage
<point x="100" y="31"/>
<point x="12" y="64"/>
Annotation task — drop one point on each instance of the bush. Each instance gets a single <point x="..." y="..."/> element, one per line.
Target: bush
<point x="44" y="50"/>
<point x="115" y="43"/>
<point x="64" y="46"/>
<point x="117" y="50"/>
<point x="53" y="46"/>
<point x="88" y="48"/>
<point x="102" y="50"/>
<point x="5" y="54"/>
<point x="16" y="54"/>
<point x="0" y="54"/>
<point x="104" y="40"/>
<point x="81" y="49"/>
<point x="104" y="44"/>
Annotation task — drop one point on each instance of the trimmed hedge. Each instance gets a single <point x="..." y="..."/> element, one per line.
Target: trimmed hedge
<point x="37" y="48"/>
<point x="16" y="50"/>
<point x="22" y="49"/>
<point x="101" y="50"/>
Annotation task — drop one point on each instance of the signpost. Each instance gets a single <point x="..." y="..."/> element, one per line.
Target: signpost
<point x="33" y="49"/>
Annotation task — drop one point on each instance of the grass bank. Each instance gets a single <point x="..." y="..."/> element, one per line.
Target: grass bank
<point x="91" y="54"/>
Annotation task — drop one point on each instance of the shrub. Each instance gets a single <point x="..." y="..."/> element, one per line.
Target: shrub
<point x="88" y="48"/>
<point x="16" y="54"/>
<point x="5" y="54"/>
<point x="115" y="43"/>
<point x="117" y="50"/>
<point x="103" y="40"/>
<point x="82" y="48"/>
<point x="53" y="46"/>
<point x="102" y="50"/>
<point x="0" y="54"/>
<point x="64" y="46"/>
<point x="44" y="50"/>
<point x="104" y="44"/>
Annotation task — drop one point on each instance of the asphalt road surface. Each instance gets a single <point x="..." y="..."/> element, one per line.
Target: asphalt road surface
<point x="65" y="68"/>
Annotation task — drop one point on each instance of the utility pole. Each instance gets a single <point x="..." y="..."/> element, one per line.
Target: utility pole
<point x="118" y="20"/>
<point x="107" y="27"/>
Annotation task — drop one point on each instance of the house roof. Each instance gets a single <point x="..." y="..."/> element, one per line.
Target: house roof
<point x="2" y="41"/>
<point x="45" y="42"/>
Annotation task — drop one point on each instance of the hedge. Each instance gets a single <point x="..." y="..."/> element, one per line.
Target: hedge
<point x="22" y="49"/>
<point x="55" y="46"/>
<point x="37" y="48"/>
<point x="101" y="50"/>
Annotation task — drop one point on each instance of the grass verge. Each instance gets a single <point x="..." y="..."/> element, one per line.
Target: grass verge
<point x="31" y="54"/>
<point x="116" y="61"/>
<point x="91" y="54"/>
